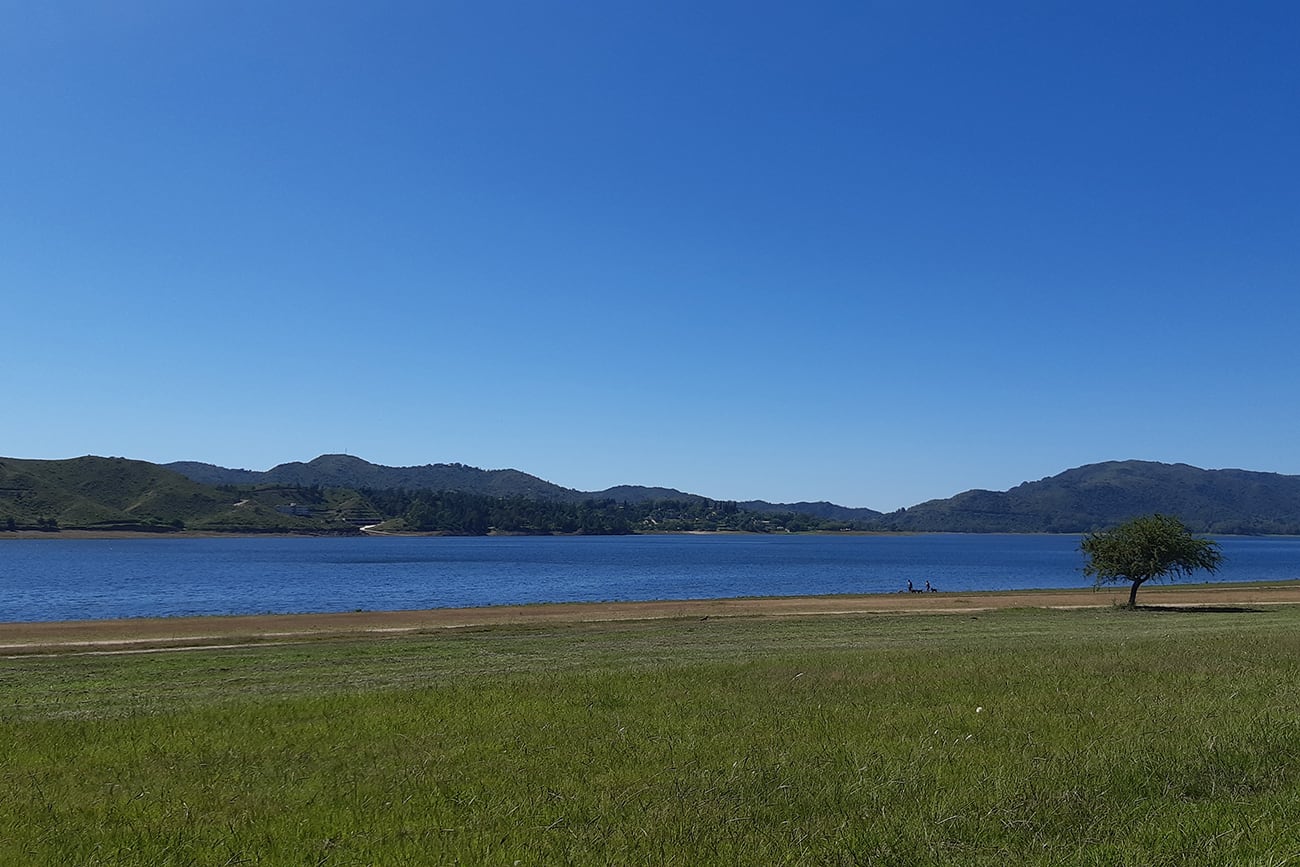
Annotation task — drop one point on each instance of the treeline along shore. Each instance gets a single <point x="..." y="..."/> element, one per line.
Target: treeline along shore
<point x="339" y="494"/>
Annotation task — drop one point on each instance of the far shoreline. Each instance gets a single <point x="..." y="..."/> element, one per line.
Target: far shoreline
<point x="79" y="534"/>
<point x="17" y="535"/>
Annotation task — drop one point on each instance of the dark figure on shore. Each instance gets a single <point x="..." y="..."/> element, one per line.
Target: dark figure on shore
<point x="910" y="588"/>
<point x="929" y="589"/>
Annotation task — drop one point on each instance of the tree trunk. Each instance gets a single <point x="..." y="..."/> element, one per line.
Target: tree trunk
<point x="1133" y="595"/>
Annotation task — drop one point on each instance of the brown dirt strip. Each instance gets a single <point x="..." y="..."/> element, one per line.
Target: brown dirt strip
<point x="139" y="634"/>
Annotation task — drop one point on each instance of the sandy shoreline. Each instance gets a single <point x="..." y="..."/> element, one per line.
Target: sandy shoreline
<point x="153" y="634"/>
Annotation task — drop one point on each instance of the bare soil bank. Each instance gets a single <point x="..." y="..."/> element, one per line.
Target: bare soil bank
<point x="139" y="635"/>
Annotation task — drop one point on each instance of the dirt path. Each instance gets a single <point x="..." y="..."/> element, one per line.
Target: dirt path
<point x="179" y="633"/>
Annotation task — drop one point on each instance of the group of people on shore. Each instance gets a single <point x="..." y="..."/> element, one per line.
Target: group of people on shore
<point x="912" y="589"/>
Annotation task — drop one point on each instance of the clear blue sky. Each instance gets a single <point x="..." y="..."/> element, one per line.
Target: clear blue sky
<point x="870" y="252"/>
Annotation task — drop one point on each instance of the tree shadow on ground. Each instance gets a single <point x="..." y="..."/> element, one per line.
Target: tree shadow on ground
<point x="1199" y="609"/>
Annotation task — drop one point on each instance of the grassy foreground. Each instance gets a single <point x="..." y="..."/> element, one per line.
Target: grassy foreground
<point x="1017" y="737"/>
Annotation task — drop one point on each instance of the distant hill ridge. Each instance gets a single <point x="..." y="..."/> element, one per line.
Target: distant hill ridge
<point x="113" y="494"/>
<point x="352" y="472"/>
<point x="1102" y="495"/>
<point x="1081" y="499"/>
<point x="326" y="495"/>
<point x="346" y="471"/>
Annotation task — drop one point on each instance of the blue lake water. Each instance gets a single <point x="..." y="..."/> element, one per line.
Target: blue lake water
<point x="58" y="579"/>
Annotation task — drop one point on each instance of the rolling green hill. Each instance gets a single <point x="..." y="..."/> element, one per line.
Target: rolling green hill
<point x="821" y="509"/>
<point x="346" y="471"/>
<point x="96" y="493"/>
<point x="339" y="493"/>
<point x="1102" y="495"/>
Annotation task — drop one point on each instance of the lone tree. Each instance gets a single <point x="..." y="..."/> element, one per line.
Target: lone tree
<point x="1153" y="546"/>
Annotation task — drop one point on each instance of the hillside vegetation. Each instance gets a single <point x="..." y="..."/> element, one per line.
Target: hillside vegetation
<point x="327" y="496"/>
<point x="108" y="494"/>
<point x="1079" y="500"/>
<point x="346" y="471"/>
<point x="340" y="494"/>
<point x="1098" y="496"/>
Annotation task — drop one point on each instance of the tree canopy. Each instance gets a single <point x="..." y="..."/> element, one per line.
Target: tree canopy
<point x="1153" y="546"/>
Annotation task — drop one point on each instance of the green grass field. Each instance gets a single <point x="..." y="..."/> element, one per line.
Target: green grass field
<point x="1021" y="737"/>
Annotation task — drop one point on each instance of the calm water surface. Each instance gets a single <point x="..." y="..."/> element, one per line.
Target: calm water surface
<point x="55" y="579"/>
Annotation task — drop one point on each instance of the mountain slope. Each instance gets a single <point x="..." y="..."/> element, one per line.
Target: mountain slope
<point x="101" y="493"/>
<point x="820" y="509"/>
<point x="211" y="474"/>
<point x="345" y="471"/>
<point x="322" y="495"/>
<point x="95" y="493"/>
<point x="1102" y="495"/>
